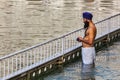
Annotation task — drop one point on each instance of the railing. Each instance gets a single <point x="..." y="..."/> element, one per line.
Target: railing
<point x="24" y="60"/>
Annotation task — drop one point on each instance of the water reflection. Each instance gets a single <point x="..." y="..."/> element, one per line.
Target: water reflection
<point x="110" y="4"/>
<point x="89" y="0"/>
<point x="69" y="4"/>
<point x="87" y="72"/>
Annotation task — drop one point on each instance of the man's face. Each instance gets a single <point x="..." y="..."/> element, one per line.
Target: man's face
<point x="84" y="20"/>
<point x="86" y="23"/>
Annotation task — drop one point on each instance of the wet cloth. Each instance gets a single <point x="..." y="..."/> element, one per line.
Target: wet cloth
<point x="88" y="55"/>
<point x="87" y="72"/>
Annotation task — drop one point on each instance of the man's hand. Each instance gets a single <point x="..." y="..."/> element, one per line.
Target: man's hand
<point x="79" y="39"/>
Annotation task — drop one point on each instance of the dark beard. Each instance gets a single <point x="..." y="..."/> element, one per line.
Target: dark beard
<point x="86" y="24"/>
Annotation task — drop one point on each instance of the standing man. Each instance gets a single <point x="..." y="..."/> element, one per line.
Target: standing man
<point x="88" y="50"/>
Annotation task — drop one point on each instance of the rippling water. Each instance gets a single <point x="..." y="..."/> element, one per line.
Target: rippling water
<point x="107" y="67"/>
<point x="24" y="23"/>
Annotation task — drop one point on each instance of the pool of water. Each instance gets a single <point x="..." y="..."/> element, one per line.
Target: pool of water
<point x="24" y="23"/>
<point x="107" y="67"/>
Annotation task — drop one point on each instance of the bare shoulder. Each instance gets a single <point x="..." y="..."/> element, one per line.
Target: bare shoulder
<point x="92" y="28"/>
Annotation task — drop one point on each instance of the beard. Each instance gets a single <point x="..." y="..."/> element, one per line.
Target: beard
<point x="86" y="24"/>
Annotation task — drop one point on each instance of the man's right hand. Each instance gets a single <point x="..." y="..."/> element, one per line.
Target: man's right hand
<point x="77" y="39"/>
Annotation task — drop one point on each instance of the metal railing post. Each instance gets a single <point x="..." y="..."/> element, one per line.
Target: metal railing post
<point x="63" y="45"/>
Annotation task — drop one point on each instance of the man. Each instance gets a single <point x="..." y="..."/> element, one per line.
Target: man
<point x="88" y="50"/>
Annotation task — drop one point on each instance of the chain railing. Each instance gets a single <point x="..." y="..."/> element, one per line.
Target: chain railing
<point x="24" y="60"/>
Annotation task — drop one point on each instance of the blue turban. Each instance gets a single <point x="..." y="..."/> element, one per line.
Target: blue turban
<point x="87" y="15"/>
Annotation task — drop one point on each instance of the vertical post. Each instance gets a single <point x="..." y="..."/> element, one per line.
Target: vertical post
<point x="12" y="65"/>
<point x="27" y="58"/>
<point x="46" y="49"/>
<point x="50" y="49"/>
<point x="56" y="46"/>
<point x="34" y="55"/>
<point x="68" y="41"/>
<point x="8" y="66"/>
<point x="16" y="66"/>
<point x="74" y="39"/>
<point x="65" y="43"/>
<point x="40" y="52"/>
<point x="43" y="52"/>
<point x="62" y="45"/>
<point x="37" y="57"/>
<point x="20" y="64"/>
<point x="0" y="69"/>
<point x="4" y="72"/>
<point x="31" y="57"/>
<point x="24" y="61"/>
<point x="71" y="39"/>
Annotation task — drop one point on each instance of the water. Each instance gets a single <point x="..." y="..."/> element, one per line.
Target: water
<point x="107" y="67"/>
<point x="24" y="23"/>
